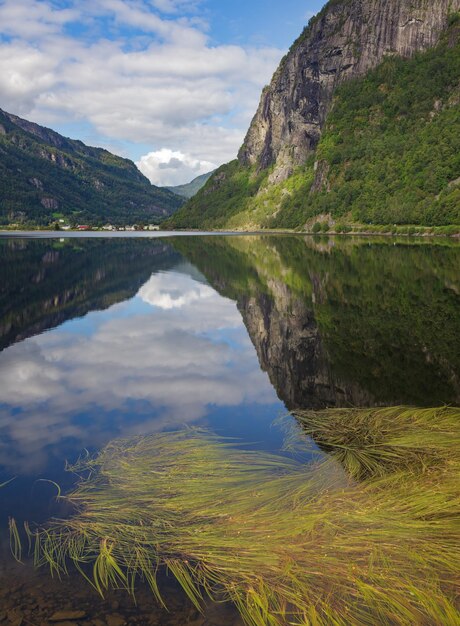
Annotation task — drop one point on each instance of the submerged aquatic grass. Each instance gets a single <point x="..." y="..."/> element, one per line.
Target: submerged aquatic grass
<point x="373" y="442"/>
<point x="288" y="543"/>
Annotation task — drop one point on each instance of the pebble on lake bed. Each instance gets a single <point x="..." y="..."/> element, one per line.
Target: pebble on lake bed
<point x="64" y="616"/>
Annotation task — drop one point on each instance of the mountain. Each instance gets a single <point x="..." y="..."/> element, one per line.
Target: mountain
<point x="361" y="123"/>
<point x="190" y="189"/>
<point x="45" y="176"/>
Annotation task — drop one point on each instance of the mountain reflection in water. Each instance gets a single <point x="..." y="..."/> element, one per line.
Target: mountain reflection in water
<point x="113" y="338"/>
<point x="149" y="336"/>
<point x="340" y="322"/>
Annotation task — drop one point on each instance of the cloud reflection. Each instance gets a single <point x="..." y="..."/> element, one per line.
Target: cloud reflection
<point x="149" y="369"/>
<point x="175" y="294"/>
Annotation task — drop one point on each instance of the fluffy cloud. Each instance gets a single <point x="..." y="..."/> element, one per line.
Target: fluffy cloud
<point x="175" y="294"/>
<point x="164" y="167"/>
<point x="140" y="72"/>
<point x="142" y="369"/>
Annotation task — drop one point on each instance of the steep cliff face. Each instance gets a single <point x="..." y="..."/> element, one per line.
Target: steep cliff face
<point x="347" y="39"/>
<point x="359" y="126"/>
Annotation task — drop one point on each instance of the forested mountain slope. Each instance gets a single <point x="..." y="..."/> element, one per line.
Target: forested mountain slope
<point x="45" y="176"/>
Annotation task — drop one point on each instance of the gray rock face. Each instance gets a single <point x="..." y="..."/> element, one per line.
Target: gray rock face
<point x="348" y="38"/>
<point x="50" y="203"/>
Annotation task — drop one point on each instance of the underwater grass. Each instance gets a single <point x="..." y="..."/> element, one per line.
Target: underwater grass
<point x="288" y="543"/>
<point x="373" y="442"/>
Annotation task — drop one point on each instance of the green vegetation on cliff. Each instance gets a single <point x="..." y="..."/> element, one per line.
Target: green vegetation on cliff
<point x="45" y="177"/>
<point x="389" y="154"/>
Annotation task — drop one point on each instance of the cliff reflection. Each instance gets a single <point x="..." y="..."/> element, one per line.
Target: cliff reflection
<point x="344" y="322"/>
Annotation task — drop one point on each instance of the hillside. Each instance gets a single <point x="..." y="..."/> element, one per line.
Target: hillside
<point x="361" y="124"/>
<point x="45" y="176"/>
<point x="190" y="189"/>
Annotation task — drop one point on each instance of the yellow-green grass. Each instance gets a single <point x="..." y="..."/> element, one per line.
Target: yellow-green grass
<point x="287" y="542"/>
<point x="374" y="442"/>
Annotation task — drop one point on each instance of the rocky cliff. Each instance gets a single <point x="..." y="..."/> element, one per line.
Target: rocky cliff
<point x="359" y="126"/>
<point x="346" y="40"/>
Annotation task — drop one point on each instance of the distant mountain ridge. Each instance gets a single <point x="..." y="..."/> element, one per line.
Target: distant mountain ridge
<point x="45" y="177"/>
<point x="360" y="124"/>
<point x="190" y="189"/>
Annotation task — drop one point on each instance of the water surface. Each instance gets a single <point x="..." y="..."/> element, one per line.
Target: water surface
<point x="104" y="338"/>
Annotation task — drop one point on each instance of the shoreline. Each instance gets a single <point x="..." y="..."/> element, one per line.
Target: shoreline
<point x="69" y="234"/>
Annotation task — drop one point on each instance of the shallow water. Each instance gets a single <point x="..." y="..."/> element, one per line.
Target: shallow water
<point x="117" y="337"/>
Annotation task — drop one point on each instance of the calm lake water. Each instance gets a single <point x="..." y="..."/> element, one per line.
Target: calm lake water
<point x="105" y="338"/>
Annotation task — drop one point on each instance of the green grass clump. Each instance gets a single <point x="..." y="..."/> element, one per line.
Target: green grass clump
<point x="374" y="442"/>
<point x="287" y="542"/>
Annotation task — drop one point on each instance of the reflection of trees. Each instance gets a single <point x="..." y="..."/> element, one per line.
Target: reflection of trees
<point x="339" y="322"/>
<point x="46" y="282"/>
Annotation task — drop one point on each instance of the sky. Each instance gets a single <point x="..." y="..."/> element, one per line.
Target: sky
<point x="170" y="84"/>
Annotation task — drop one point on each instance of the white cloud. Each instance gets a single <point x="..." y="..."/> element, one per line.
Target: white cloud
<point x="135" y="74"/>
<point x="26" y="74"/>
<point x="175" y="6"/>
<point x="170" y="167"/>
<point x="31" y="20"/>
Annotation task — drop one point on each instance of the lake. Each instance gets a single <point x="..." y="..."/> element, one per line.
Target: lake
<point x="116" y="338"/>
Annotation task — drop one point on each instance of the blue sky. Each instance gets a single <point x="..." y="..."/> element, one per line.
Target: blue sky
<point x="171" y="84"/>
<point x="259" y="23"/>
